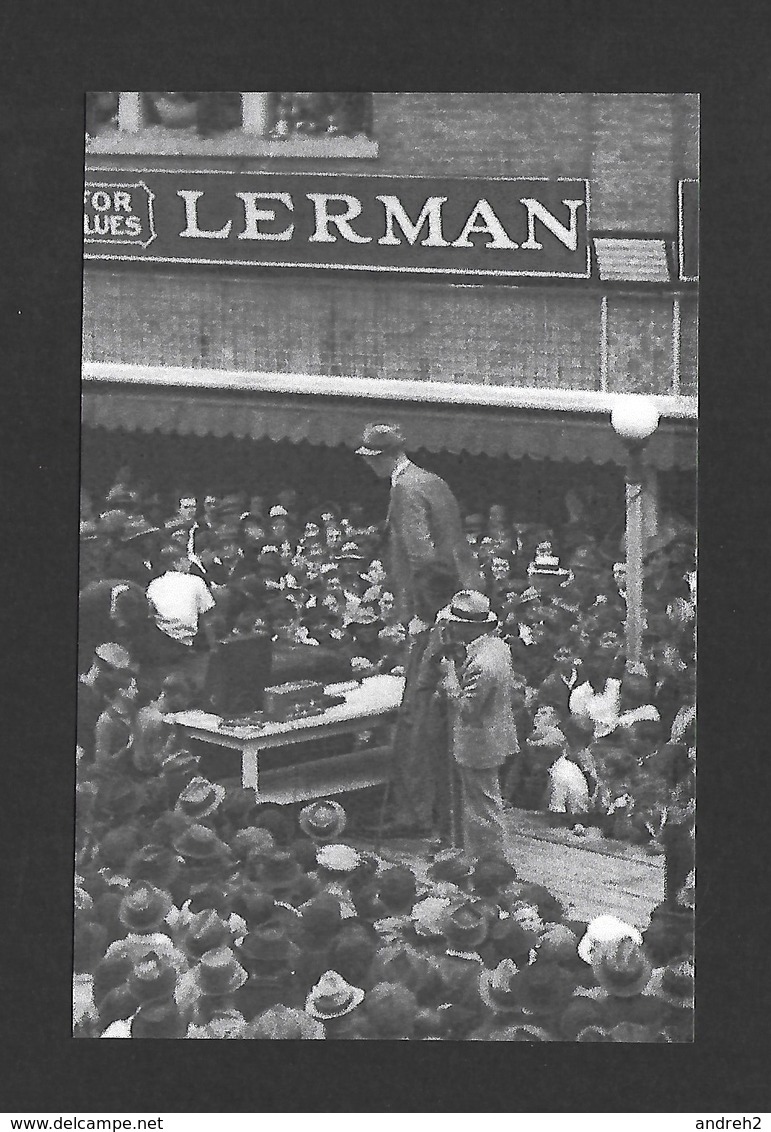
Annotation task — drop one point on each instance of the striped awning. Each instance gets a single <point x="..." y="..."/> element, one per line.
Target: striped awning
<point x="331" y="419"/>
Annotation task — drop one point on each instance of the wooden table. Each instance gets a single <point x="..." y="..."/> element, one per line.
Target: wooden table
<point x="372" y="703"/>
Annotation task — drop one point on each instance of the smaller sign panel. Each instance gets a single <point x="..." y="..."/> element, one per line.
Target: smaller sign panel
<point x="425" y="225"/>
<point x="688" y="230"/>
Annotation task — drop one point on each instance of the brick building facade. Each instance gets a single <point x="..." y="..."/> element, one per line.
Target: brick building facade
<point x="597" y="336"/>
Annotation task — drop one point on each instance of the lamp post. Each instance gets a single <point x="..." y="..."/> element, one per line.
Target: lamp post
<point x="634" y="418"/>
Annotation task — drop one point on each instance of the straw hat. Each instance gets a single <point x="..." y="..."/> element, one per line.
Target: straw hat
<point x="332" y="997"/>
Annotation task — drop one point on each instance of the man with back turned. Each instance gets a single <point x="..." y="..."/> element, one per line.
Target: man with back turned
<point x="429" y="560"/>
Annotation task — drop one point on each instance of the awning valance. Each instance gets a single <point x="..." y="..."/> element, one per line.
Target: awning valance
<point x="335" y="420"/>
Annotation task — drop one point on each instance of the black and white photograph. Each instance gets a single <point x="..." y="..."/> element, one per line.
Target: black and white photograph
<point x="387" y="595"/>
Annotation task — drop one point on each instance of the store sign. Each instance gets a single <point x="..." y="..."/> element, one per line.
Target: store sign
<point x="457" y="226"/>
<point x="688" y="230"/>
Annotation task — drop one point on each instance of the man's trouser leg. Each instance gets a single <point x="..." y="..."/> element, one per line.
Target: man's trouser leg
<point x="413" y="786"/>
<point x="483" y="822"/>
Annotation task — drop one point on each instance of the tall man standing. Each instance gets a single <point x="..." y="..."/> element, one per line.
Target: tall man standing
<point x="429" y="559"/>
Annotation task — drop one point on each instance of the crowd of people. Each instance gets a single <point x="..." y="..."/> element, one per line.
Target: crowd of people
<point x="200" y="913"/>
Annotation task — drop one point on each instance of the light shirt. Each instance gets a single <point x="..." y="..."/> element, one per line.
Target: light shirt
<point x="177" y="600"/>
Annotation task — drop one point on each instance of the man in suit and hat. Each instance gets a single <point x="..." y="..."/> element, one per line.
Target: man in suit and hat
<point x="429" y="560"/>
<point x="478" y="681"/>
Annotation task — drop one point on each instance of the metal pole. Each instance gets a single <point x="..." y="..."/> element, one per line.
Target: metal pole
<point x="634" y="560"/>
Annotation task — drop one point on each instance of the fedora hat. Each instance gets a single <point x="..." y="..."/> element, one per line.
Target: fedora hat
<point x="428" y="916"/>
<point x="332" y="997"/>
<point x="579" y="1013"/>
<point x="544" y="989"/>
<point x="512" y="940"/>
<point x="397" y="889"/>
<point x="204" y="932"/>
<point x="153" y="977"/>
<point x="466" y="926"/>
<point x="157" y="864"/>
<point x="278" y="871"/>
<point x="603" y="930"/>
<point x="199" y="798"/>
<point x="200" y="845"/>
<point x="468" y="607"/>
<point x="321" y="916"/>
<point x="674" y="984"/>
<point x="219" y="972"/>
<point x="144" y="908"/>
<point x="491" y="874"/>
<point x="380" y="439"/>
<point x="323" y="820"/>
<point x="286" y="1023"/>
<point x="451" y="865"/>
<point x="621" y="967"/>
<point x="159" y="1019"/>
<point x="252" y="843"/>
<point x="558" y="943"/>
<point x="391" y="1010"/>
<point x="267" y="946"/>
<point x="497" y="988"/>
<point x="222" y="1024"/>
<point x="114" y="657"/>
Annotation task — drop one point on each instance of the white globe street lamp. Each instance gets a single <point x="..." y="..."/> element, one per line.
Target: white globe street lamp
<point x="635" y="419"/>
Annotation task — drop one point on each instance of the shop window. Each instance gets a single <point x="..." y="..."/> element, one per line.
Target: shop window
<point x="263" y="123"/>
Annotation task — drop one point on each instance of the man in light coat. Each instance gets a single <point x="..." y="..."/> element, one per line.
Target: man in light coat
<point x="429" y="559"/>
<point x="478" y="681"/>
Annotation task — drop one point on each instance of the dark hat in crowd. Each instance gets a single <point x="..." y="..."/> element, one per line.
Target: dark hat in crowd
<point x="199" y="799"/>
<point x="286" y="1023"/>
<point x="219" y="972"/>
<point x="116" y="846"/>
<point x="669" y="936"/>
<point x="510" y="940"/>
<point x="278" y="871"/>
<point x="237" y="807"/>
<point x="579" y="1013"/>
<point x="204" y="932"/>
<point x="673" y="984"/>
<point x="544" y="989"/>
<point x="391" y="1010"/>
<point x="247" y="899"/>
<point x="549" y="907"/>
<point x="378" y="439"/>
<point x="118" y="801"/>
<point x="491" y="875"/>
<point x="267" y="947"/>
<point x="353" y="951"/>
<point x="153" y="977"/>
<point x="89" y="943"/>
<point x="117" y="1003"/>
<point x="397" y="888"/>
<point x="110" y="972"/>
<point x="558" y="943"/>
<point x="144" y="908"/>
<point x="323" y="820"/>
<point x="332" y="997"/>
<point x="466" y="926"/>
<point x="452" y="866"/>
<point x="157" y="864"/>
<point x="498" y="987"/>
<point x="198" y="845"/>
<point x="621" y="967"/>
<point x="304" y="852"/>
<point x="321" y="916"/>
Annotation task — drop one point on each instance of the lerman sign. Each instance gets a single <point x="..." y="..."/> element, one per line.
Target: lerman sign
<point x="455" y="226"/>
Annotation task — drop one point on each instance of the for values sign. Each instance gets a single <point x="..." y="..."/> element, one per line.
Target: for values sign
<point x="457" y="226"/>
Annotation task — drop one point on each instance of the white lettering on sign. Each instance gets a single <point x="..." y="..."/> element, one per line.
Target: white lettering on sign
<point x="190" y="197"/>
<point x="324" y="218"/>
<point x="253" y="215"/>
<point x="492" y="226"/>
<point x="431" y="212"/>
<point x="566" y="236"/>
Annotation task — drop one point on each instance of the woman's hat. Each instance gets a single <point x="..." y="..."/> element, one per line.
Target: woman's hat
<point x="378" y="439"/>
<point x="471" y="608"/>
<point x="497" y="988"/>
<point x="144" y="908"/>
<point x="466" y="926"/>
<point x="674" y="984"/>
<point x="621" y="967"/>
<point x="286" y="1023"/>
<point x="199" y="798"/>
<point x="332" y="997"/>
<point x="204" y="932"/>
<point x="153" y="977"/>
<point x="604" y="930"/>
<point x="159" y="1019"/>
<point x="323" y="820"/>
<point x="200" y="845"/>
